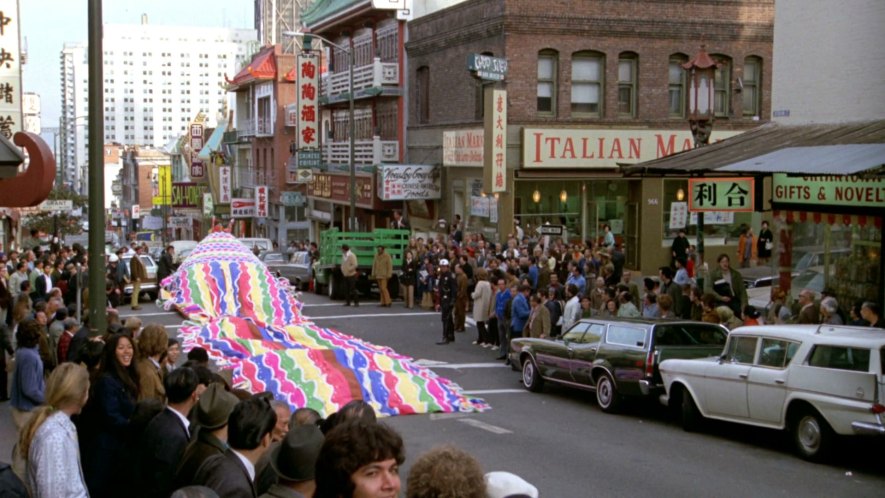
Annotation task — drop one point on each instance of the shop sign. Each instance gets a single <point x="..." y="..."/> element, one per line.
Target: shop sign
<point x="290" y="199"/>
<point x="550" y="230"/>
<point x="479" y="206"/>
<point x="487" y="67"/>
<point x="187" y="195"/>
<point x="224" y="189"/>
<point x="829" y="190"/>
<point x="163" y="188"/>
<point x="241" y="207"/>
<point x="262" y="201"/>
<point x="309" y="158"/>
<point x="495" y="158"/>
<point x="179" y="222"/>
<point x="678" y="215"/>
<point x="602" y="148"/>
<point x="463" y="148"/>
<point x="307" y="86"/>
<point x="409" y="182"/>
<point x="197" y="169"/>
<point x="324" y="216"/>
<point x="721" y="194"/>
<point x="57" y="205"/>
<point x="336" y="188"/>
<point x="208" y="204"/>
<point x="152" y="223"/>
<point x="10" y="69"/>
<point x="136" y="211"/>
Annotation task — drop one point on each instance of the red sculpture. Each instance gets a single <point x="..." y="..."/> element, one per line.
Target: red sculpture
<point x="33" y="186"/>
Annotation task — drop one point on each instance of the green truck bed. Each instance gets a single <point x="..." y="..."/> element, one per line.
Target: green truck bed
<point x="364" y="245"/>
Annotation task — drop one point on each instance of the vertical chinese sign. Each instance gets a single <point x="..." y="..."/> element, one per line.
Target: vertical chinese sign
<point x="308" y="98"/>
<point x="10" y="69"/>
<point x="196" y="138"/>
<point x="224" y="189"/>
<point x="261" y="201"/>
<point x="495" y="157"/>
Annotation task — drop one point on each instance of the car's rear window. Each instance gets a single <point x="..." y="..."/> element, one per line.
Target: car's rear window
<point x="625" y="336"/>
<point x="691" y="334"/>
<point x="840" y="358"/>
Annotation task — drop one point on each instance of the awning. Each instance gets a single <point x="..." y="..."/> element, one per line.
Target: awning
<point x="846" y="159"/>
<point x="213" y="144"/>
<point x="863" y="220"/>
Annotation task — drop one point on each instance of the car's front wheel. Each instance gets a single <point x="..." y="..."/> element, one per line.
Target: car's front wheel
<point x="812" y="435"/>
<point x="531" y="378"/>
<point x="607" y="394"/>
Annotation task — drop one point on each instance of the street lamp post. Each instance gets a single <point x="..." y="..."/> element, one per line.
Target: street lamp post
<point x="352" y="221"/>
<point x="701" y="93"/>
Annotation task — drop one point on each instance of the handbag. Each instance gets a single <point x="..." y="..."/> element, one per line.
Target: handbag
<point x="769" y="245"/>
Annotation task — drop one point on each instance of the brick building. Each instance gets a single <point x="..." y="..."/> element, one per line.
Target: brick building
<point x="590" y="86"/>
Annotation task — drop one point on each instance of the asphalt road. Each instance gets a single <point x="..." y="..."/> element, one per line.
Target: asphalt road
<point x="561" y="442"/>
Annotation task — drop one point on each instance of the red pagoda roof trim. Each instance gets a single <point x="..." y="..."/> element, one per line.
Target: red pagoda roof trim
<point x="262" y="67"/>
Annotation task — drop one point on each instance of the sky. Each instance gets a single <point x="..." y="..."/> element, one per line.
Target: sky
<point x="48" y="24"/>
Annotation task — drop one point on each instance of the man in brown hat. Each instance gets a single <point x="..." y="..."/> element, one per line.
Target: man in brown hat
<point x="294" y="460"/>
<point x="213" y="409"/>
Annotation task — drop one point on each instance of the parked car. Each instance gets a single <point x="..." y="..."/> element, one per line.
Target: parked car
<point x="183" y="249"/>
<point x="261" y="244"/>
<point x="816" y="381"/>
<point x="613" y="357"/>
<point x="810" y="278"/>
<point x="150" y="286"/>
<point x="296" y="270"/>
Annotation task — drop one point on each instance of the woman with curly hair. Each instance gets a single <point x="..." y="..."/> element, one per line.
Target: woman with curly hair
<point x="49" y="440"/>
<point x="359" y="459"/>
<point x="446" y="472"/>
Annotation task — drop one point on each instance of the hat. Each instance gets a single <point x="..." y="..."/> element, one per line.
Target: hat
<point x="504" y="484"/>
<point x="215" y="406"/>
<point x="443" y="262"/>
<point x="295" y="457"/>
<point x="113" y="258"/>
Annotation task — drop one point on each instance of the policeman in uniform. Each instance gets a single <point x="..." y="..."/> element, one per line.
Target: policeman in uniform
<point x="448" y="291"/>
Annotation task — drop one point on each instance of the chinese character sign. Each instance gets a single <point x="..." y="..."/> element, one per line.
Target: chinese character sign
<point x="10" y="70"/>
<point x="495" y="140"/>
<point x="261" y="201"/>
<point x="721" y="194"/>
<point x="224" y="188"/>
<point x="197" y="169"/>
<point x="307" y="92"/>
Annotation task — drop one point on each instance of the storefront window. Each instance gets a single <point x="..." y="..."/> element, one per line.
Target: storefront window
<point x="840" y="258"/>
<point x="720" y="228"/>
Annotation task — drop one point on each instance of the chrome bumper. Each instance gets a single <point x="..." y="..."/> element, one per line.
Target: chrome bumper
<point x="868" y="428"/>
<point x="647" y="387"/>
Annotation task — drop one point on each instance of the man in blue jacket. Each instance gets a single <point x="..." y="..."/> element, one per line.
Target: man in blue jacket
<point x="519" y="315"/>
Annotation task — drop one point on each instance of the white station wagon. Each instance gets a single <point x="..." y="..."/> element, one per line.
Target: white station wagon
<point x="815" y="381"/>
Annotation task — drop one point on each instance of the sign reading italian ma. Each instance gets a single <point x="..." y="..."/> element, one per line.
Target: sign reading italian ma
<point x="602" y="148"/>
<point x="463" y="147"/>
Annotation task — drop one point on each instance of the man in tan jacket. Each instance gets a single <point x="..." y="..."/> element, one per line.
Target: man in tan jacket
<point x="349" y="265"/>
<point x="138" y="274"/>
<point x="382" y="270"/>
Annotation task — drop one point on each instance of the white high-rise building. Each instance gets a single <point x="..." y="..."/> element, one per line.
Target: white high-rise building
<point x="156" y="80"/>
<point x="72" y="122"/>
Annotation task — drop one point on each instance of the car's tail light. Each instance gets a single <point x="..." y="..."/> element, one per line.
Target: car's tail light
<point x="650" y="363"/>
<point x="877" y="408"/>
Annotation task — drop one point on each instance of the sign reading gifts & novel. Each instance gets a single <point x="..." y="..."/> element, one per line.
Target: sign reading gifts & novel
<point x="831" y="190"/>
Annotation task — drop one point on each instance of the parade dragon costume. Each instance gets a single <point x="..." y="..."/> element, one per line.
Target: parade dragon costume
<point x="250" y="322"/>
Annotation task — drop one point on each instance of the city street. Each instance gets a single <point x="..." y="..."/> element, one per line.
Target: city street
<point x="560" y="441"/>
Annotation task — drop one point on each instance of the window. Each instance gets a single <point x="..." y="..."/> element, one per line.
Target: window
<point x="722" y="86"/>
<point x="690" y="335"/>
<point x="625" y="336"/>
<point x="587" y="82"/>
<point x="677" y="90"/>
<point x="777" y="353"/>
<point x="627" y="81"/>
<point x="547" y="67"/>
<point x="422" y="94"/>
<point x="840" y="358"/>
<point x="575" y="333"/>
<point x="741" y="349"/>
<point x="751" y="82"/>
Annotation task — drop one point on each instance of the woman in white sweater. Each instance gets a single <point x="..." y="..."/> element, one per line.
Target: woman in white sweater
<point x="49" y="439"/>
